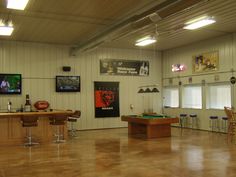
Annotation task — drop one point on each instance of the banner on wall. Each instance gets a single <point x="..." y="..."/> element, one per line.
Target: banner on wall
<point x="124" y="67"/>
<point x="106" y="99"/>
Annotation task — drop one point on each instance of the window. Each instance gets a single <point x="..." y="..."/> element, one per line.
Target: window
<point x="192" y="97"/>
<point x="171" y="97"/>
<point x="219" y="96"/>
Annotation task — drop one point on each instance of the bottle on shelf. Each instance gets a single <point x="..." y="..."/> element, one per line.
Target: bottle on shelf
<point x="9" y="106"/>
<point x="27" y="104"/>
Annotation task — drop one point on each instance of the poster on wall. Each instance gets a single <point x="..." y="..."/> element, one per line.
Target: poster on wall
<point x="124" y="67"/>
<point x="206" y="62"/>
<point x="106" y="99"/>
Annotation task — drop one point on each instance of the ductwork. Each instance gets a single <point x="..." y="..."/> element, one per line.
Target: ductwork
<point x="136" y="22"/>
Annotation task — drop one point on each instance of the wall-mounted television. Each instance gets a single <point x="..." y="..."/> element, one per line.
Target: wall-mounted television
<point x="10" y="83"/>
<point x="67" y="83"/>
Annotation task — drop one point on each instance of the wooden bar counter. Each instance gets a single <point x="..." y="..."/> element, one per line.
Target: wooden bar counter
<point x="12" y="132"/>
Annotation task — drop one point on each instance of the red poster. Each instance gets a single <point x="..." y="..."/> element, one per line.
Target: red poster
<point x="106" y="99"/>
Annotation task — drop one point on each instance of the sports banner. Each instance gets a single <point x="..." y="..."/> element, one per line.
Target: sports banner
<point x="106" y="99"/>
<point x="124" y="67"/>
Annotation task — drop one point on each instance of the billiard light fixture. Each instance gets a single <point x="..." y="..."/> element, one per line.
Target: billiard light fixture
<point x="148" y="89"/>
<point x="145" y="41"/>
<point x="198" y="23"/>
<point x="17" y="4"/>
<point x="6" y="28"/>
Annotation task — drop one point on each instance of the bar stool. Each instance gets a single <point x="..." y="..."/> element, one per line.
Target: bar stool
<point x="73" y="119"/>
<point x="183" y="120"/>
<point x="224" y="124"/>
<point x="194" y="120"/>
<point x="214" y="123"/>
<point x="58" y="121"/>
<point x="29" y="121"/>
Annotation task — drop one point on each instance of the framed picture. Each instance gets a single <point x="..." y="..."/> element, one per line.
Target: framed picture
<point x="106" y="95"/>
<point x="206" y="62"/>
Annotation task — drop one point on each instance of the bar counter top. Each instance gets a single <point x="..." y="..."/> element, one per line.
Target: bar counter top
<point x="38" y="113"/>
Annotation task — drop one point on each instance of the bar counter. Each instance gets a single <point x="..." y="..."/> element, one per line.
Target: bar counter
<point x="12" y="132"/>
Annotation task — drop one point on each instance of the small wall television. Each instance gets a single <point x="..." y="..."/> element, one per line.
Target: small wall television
<point x="67" y="83"/>
<point x="10" y="83"/>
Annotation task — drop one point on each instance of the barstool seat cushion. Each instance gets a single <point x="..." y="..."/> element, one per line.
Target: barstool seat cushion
<point x="213" y="117"/>
<point x="193" y="115"/>
<point x="72" y="119"/>
<point x="225" y="118"/>
<point x="183" y="115"/>
<point x="29" y="121"/>
<point x="58" y="120"/>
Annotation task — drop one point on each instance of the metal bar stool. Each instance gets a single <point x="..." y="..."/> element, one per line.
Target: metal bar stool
<point x="194" y="120"/>
<point x="29" y="121"/>
<point x="73" y="119"/>
<point x="183" y="120"/>
<point x="214" y="125"/>
<point x="224" y="124"/>
<point x="58" y="121"/>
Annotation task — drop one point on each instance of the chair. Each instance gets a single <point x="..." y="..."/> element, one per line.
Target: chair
<point x="72" y="119"/>
<point x="58" y="121"/>
<point x="183" y="120"/>
<point x="194" y="120"/>
<point x="29" y="121"/>
<point x="214" y="124"/>
<point x="231" y="123"/>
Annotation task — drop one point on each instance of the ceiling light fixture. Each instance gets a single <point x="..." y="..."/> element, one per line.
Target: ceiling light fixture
<point x="145" y="41"/>
<point x="6" y="29"/>
<point x="17" y="4"/>
<point x="198" y="23"/>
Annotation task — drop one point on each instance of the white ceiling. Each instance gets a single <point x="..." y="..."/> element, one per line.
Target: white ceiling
<point x="85" y="24"/>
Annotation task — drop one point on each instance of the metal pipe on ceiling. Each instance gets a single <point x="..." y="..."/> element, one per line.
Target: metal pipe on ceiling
<point x="150" y="16"/>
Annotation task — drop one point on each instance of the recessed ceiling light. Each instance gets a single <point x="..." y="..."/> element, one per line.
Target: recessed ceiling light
<point x="17" y="4"/>
<point x="198" y="23"/>
<point x="145" y="41"/>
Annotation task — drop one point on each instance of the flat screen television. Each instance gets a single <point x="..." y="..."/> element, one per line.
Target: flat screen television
<point x="10" y="83"/>
<point x="67" y="83"/>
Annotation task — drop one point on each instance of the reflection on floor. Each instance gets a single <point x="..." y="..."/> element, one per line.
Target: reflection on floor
<point x="108" y="153"/>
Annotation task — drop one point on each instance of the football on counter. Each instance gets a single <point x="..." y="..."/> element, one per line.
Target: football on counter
<point x="41" y="105"/>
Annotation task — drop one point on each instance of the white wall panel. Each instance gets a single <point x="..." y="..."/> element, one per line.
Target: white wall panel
<point x="40" y="63"/>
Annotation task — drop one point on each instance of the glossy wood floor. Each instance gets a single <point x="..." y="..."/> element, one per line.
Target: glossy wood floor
<point x="108" y="153"/>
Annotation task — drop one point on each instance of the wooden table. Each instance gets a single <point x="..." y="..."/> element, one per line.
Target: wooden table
<point x="12" y="132"/>
<point x="151" y="127"/>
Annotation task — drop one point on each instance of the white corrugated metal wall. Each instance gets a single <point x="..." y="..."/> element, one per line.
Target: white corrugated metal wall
<point x="40" y="63"/>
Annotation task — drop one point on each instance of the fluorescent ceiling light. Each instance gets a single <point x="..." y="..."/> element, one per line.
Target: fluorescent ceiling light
<point x="17" y="4"/>
<point x="6" y="30"/>
<point x="198" y="23"/>
<point x="145" y="41"/>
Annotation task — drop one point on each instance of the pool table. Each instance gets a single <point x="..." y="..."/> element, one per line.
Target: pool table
<point x="152" y="126"/>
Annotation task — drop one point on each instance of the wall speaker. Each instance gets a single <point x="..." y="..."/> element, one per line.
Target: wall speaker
<point x="66" y="68"/>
